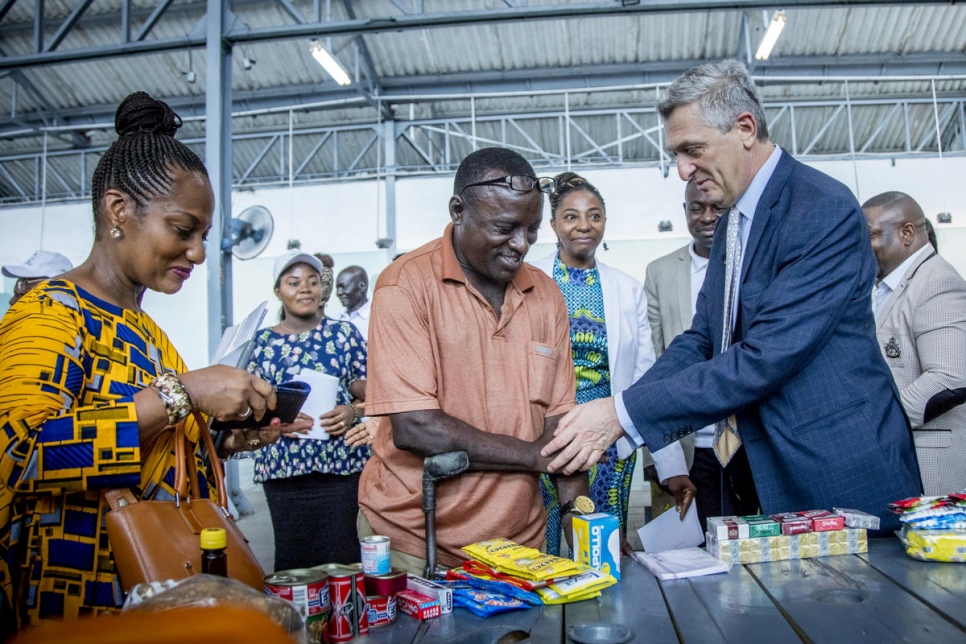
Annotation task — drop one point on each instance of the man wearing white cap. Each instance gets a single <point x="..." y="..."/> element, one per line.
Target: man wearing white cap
<point x="42" y="265"/>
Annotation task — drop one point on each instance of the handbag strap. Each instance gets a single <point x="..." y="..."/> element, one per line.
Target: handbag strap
<point x="185" y="463"/>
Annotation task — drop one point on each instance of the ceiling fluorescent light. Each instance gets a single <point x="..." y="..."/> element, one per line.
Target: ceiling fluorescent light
<point x="771" y="36"/>
<point x="329" y="63"/>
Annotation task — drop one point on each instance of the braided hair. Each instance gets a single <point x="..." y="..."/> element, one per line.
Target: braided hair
<point x="567" y="183"/>
<point x="141" y="161"/>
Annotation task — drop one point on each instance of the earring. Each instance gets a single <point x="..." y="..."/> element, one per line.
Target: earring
<point x="559" y="245"/>
<point x="116" y="232"/>
<point x="605" y="246"/>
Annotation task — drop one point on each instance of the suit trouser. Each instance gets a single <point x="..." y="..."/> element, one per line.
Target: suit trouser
<point x="723" y="491"/>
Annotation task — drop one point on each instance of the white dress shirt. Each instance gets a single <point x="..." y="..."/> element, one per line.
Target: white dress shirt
<point x="360" y="318"/>
<point x="888" y="284"/>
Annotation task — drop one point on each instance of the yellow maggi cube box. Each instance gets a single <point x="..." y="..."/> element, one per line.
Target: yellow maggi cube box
<point x="597" y="542"/>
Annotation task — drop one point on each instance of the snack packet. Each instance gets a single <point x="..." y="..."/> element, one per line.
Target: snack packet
<point x="481" y="602"/>
<point x="519" y="561"/>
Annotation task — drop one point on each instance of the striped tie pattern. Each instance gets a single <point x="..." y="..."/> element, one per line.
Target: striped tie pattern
<point x="726" y="439"/>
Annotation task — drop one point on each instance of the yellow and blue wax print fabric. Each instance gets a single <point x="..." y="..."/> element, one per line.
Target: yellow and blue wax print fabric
<point x="610" y="482"/>
<point x="70" y="365"/>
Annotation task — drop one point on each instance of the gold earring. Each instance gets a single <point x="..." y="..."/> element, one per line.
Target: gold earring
<point x="116" y="232"/>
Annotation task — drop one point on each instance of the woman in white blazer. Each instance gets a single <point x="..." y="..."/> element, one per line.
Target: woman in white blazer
<point x="609" y="334"/>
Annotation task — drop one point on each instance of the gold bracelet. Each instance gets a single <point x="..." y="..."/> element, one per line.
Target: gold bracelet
<point x="176" y="401"/>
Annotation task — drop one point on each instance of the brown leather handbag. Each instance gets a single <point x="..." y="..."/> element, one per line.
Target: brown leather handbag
<point x="160" y="540"/>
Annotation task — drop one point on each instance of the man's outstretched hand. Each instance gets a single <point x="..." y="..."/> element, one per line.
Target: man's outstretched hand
<point x="582" y="436"/>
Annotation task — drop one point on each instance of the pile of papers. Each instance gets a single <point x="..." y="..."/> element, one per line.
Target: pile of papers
<point x="503" y="566"/>
<point x="933" y="527"/>
<point x="682" y="563"/>
<point x="789" y="535"/>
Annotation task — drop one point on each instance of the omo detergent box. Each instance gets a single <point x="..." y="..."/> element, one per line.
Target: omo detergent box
<point x="597" y="542"/>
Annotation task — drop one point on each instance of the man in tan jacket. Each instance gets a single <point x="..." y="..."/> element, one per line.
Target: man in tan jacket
<point x="919" y="303"/>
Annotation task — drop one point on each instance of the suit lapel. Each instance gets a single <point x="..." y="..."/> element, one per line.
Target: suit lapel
<point x="682" y="278"/>
<point x="612" y="311"/>
<point x="901" y="287"/>
<point x="763" y="213"/>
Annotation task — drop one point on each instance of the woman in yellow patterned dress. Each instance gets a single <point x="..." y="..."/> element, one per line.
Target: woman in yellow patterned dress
<point x="89" y="384"/>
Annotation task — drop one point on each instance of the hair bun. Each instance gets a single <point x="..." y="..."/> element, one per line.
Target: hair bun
<point x="141" y="113"/>
<point x="567" y="177"/>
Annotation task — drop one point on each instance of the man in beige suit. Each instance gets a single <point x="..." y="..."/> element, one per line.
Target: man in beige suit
<point x="920" y="315"/>
<point x="672" y="284"/>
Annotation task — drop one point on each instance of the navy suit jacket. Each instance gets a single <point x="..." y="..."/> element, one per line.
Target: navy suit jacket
<point x="817" y="409"/>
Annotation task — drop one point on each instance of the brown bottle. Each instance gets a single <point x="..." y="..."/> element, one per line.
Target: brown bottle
<point x="214" y="560"/>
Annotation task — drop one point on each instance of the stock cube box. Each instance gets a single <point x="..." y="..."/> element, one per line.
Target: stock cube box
<point x="597" y="542"/>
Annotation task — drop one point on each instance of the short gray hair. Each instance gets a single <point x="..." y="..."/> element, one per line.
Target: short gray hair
<point x="722" y="89"/>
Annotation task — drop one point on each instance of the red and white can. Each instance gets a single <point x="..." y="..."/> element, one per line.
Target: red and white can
<point x="308" y="590"/>
<point x="375" y="555"/>
<point x="381" y="610"/>
<point x="347" y="593"/>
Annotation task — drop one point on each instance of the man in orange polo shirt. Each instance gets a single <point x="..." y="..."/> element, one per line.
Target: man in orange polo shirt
<point x="469" y="349"/>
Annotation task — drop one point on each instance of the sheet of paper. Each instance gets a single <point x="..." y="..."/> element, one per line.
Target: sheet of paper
<point x="325" y="389"/>
<point x="668" y="532"/>
<point x="234" y="348"/>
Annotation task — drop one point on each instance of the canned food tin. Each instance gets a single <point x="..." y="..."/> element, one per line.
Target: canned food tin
<point x="308" y="590"/>
<point x="386" y="585"/>
<point x="348" y="598"/>
<point x="375" y="555"/>
<point x="381" y="610"/>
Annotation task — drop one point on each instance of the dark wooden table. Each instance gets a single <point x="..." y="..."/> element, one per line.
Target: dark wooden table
<point x="882" y="596"/>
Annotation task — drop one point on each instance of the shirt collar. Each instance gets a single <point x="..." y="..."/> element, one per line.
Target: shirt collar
<point x="892" y="279"/>
<point x="453" y="271"/>
<point x="697" y="262"/>
<point x="748" y="203"/>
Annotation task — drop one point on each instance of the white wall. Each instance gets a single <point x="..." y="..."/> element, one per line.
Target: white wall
<point x="345" y="219"/>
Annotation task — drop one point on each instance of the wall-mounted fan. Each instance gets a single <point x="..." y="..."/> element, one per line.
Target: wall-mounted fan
<point x="250" y="232"/>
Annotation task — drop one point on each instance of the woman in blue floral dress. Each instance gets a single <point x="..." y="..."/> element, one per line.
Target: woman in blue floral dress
<point x="609" y="333"/>
<point x="311" y="485"/>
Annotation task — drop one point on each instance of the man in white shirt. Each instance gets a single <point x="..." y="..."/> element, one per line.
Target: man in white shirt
<point x="672" y="286"/>
<point x="920" y="318"/>
<point x="352" y="287"/>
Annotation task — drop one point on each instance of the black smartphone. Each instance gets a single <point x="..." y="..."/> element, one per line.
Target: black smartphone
<point x="290" y="396"/>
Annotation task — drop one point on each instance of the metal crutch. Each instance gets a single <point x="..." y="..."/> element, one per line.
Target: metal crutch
<point x="437" y="468"/>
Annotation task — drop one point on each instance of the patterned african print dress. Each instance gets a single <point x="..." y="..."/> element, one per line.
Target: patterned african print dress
<point x="70" y="365"/>
<point x="610" y="482"/>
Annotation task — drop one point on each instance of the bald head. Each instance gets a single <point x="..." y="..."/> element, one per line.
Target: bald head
<point x="897" y="226"/>
<point x="351" y="287"/>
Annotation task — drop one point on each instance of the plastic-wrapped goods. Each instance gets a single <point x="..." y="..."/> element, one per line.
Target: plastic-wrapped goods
<point x="520" y="561"/>
<point x="576" y="588"/>
<point x="858" y="518"/>
<point x="797" y="546"/>
<point x="481" y="602"/>
<point x="210" y="590"/>
<point x="934" y="545"/>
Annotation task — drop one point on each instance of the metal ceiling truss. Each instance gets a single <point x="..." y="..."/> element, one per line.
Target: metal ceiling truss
<point x="549" y="140"/>
<point x="411" y="17"/>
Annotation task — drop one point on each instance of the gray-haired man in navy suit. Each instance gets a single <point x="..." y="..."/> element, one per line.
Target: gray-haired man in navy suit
<point x="792" y="370"/>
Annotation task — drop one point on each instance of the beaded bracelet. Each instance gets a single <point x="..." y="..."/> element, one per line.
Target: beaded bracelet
<point x="176" y="401"/>
<point x="355" y="415"/>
